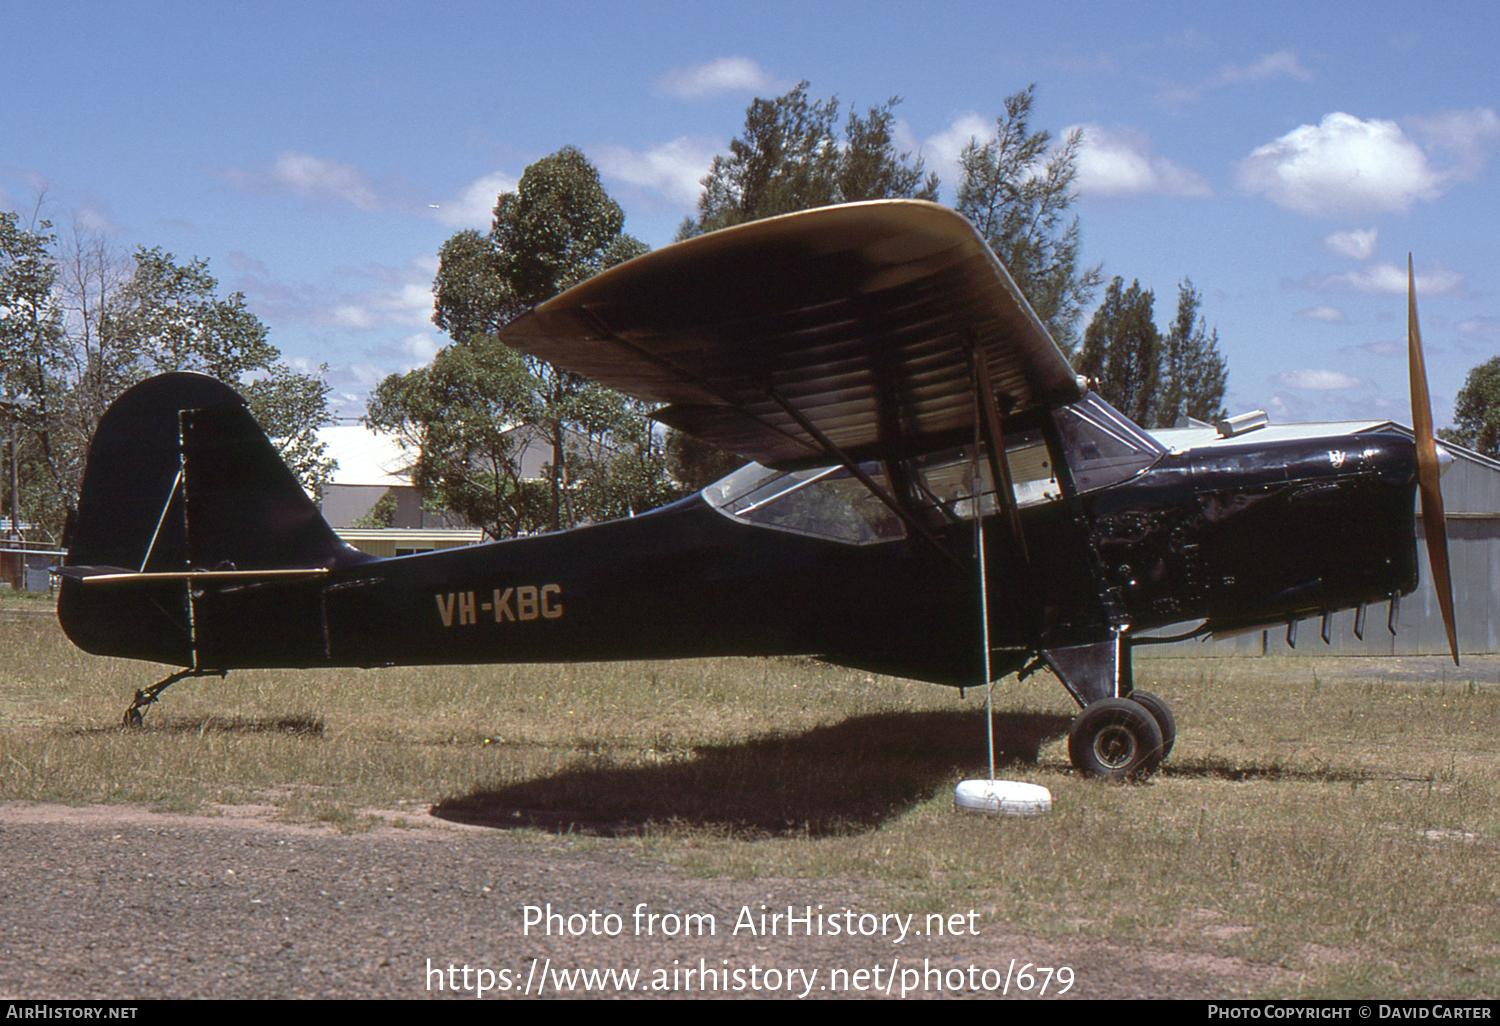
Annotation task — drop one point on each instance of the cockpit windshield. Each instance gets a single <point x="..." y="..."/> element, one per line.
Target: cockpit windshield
<point x="1102" y="446"/>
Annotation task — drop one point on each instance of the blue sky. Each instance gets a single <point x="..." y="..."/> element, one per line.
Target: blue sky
<point x="1285" y="157"/>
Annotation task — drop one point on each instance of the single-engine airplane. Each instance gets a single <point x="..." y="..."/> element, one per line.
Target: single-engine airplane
<point x="934" y="495"/>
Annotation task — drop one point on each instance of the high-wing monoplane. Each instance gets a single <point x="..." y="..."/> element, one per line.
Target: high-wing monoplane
<point x="934" y="495"/>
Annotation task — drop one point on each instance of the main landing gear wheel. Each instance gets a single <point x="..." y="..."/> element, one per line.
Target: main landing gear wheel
<point x="1162" y="713"/>
<point x="1116" y="739"/>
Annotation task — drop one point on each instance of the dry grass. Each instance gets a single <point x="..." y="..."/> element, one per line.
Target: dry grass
<point x="1316" y="814"/>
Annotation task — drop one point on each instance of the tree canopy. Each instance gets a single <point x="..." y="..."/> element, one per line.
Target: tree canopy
<point x="1151" y="377"/>
<point x="790" y="157"/>
<point x="1122" y="350"/>
<point x="558" y="228"/>
<point x="462" y="415"/>
<point x="457" y="416"/>
<point x="80" y="324"/>
<point x="32" y="338"/>
<point x="1194" y="372"/>
<point x="1476" y="411"/>
<point x="32" y="344"/>
<point x="169" y="316"/>
<point x="1017" y="191"/>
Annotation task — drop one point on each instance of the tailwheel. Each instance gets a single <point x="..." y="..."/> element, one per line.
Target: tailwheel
<point x="1116" y="739"/>
<point x="147" y="696"/>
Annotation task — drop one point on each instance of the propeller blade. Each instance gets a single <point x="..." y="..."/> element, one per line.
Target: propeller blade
<point x="1434" y="524"/>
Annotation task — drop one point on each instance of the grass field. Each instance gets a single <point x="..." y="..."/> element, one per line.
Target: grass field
<point x="1317" y="815"/>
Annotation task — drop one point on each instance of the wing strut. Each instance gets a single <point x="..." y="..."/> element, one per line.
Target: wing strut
<point x="907" y="517"/>
<point x="1005" y="494"/>
<point x="984" y="598"/>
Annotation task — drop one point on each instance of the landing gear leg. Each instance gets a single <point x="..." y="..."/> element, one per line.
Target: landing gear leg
<point x="148" y="696"/>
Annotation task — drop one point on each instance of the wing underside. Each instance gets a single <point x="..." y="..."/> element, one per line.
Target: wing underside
<point x="849" y="328"/>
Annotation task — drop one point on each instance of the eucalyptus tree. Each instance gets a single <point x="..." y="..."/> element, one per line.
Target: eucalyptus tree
<point x="558" y="228"/>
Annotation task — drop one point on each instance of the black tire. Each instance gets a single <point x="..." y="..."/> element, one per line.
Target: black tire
<point x="1162" y="713"/>
<point x="1116" y="739"/>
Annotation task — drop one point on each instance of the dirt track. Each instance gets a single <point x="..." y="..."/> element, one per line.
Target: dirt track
<point x="121" y="903"/>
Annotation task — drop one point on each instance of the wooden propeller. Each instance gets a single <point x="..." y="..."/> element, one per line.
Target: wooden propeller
<point x="1434" y="524"/>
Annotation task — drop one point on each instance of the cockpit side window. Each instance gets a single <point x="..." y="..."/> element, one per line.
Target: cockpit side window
<point x="829" y="502"/>
<point x="947" y="479"/>
<point x="826" y="502"/>
<point x="1103" y="447"/>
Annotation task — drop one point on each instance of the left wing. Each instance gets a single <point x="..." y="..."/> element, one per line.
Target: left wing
<point x="849" y="327"/>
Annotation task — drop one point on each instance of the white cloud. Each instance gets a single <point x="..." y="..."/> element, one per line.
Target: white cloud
<point x="715" y="78"/>
<point x="1326" y="314"/>
<point x="95" y="219"/>
<point x="308" y="175"/>
<point x="1341" y="166"/>
<point x="1483" y="327"/>
<point x="349" y="315"/>
<point x="1357" y="245"/>
<point x="389" y="297"/>
<point x="1111" y="162"/>
<point x="1318" y="380"/>
<point x="247" y="264"/>
<point x="475" y="206"/>
<point x="410" y="304"/>
<point x="361" y="376"/>
<point x="940" y="152"/>
<point x="675" y="169"/>
<point x="311" y="177"/>
<point x="1467" y="135"/>
<point x="1390" y="279"/>
<point x="1281" y="64"/>
<point x="1117" y="162"/>
<point x="946" y="146"/>
<point x="420" y="349"/>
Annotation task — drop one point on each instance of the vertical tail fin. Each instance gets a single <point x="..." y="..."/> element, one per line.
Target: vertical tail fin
<point x="180" y="478"/>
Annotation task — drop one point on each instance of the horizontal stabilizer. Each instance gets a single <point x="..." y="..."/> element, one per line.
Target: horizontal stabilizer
<point x="119" y="575"/>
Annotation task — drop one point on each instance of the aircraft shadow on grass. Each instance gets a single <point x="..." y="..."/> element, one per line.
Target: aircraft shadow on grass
<point x="299" y="725"/>
<point x="1237" y="772"/>
<point x="845" y="778"/>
